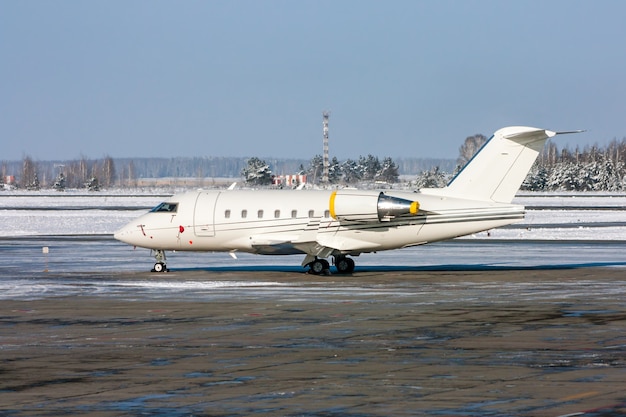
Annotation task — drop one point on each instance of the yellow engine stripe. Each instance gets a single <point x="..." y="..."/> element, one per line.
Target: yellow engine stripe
<point x="415" y="206"/>
<point x="332" y="205"/>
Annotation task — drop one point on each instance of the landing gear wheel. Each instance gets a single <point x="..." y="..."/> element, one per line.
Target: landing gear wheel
<point x="344" y="265"/>
<point x="319" y="267"/>
<point x="159" y="267"/>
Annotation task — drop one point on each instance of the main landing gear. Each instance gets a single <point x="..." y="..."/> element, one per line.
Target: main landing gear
<point x="160" y="265"/>
<point x="319" y="267"/>
<point x="343" y="264"/>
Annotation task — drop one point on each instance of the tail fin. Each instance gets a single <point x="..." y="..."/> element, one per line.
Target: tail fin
<point x="498" y="169"/>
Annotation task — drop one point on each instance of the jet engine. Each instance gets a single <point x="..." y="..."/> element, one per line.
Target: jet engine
<point x="369" y="206"/>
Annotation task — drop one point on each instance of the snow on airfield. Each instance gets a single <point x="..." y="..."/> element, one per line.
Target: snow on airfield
<point x="577" y="216"/>
<point x="70" y="213"/>
<point x="557" y="216"/>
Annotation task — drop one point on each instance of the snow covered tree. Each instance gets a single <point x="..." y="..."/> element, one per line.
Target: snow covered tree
<point x="586" y="175"/>
<point x="59" y="183"/>
<point x="351" y="172"/>
<point x="92" y="184"/>
<point x="257" y="172"/>
<point x="537" y="179"/>
<point x="564" y="176"/>
<point x="388" y="171"/>
<point x="334" y="171"/>
<point x="34" y="185"/>
<point x="315" y="169"/>
<point x="369" y="166"/>
<point x="432" y="178"/>
<point x="604" y="175"/>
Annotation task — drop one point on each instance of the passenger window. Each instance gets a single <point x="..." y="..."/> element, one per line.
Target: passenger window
<point x="327" y="213"/>
<point x="227" y="214"/>
<point x="276" y="214"/>
<point x="260" y="214"/>
<point x="294" y="214"/>
<point x="311" y="213"/>
<point x="244" y="214"/>
<point x="165" y="208"/>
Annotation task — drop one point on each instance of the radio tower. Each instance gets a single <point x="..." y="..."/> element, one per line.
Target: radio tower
<point x="325" y="116"/>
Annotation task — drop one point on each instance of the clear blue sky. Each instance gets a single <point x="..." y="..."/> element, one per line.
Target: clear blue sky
<point x="251" y="78"/>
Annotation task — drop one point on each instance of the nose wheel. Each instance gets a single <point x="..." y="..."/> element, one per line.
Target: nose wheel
<point x="160" y="265"/>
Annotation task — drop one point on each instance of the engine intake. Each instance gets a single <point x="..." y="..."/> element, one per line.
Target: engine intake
<point x="372" y="206"/>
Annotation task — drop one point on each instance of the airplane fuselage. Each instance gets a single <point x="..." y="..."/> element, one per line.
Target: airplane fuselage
<point x="289" y="222"/>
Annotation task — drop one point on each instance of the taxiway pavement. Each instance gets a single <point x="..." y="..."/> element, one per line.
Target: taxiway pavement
<point x="518" y="342"/>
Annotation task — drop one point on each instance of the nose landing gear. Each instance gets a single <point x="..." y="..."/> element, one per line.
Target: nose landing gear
<point x="160" y="265"/>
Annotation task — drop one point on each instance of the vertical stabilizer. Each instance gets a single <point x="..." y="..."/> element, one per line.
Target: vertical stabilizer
<point x="498" y="169"/>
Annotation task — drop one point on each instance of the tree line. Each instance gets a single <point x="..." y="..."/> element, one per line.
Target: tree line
<point x="592" y="168"/>
<point x="125" y="172"/>
<point x="365" y="169"/>
<point x="83" y="173"/>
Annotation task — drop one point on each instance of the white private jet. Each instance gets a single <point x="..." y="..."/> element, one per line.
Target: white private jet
<point x="343" y="222"/>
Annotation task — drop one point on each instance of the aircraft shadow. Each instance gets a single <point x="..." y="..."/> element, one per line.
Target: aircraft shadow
<point x="406" y="268"/>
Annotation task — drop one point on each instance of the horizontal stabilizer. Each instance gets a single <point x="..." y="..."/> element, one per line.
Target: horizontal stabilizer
<point x="568" y="132"/>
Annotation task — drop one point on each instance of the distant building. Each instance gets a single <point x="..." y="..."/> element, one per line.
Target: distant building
<point x="289" y="180"/>
<point x="9" y="182"/>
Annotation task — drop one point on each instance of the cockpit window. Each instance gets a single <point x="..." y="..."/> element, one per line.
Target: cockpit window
<point x="165" y="208"/>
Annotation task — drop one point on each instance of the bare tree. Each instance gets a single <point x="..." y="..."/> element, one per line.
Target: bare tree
<point x="82" y="175"/>
<point x="130" y="176"/>
<point x="108" y="172"/>
<point x="30" y="178"/>
<point x="471" y="145"/>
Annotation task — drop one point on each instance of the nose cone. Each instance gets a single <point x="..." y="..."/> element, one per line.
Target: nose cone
<point x="128" y="234"/>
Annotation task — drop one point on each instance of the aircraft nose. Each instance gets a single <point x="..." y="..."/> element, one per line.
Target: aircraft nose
<point x="126" y="234"/>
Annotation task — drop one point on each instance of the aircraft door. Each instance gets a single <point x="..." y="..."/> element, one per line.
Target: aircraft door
<point x="204" y="213"/>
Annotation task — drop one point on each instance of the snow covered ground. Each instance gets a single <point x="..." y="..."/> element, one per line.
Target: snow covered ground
<point x="559" y="216"/>
<point x="70" y="213"/>
<point x="550" y="216"/>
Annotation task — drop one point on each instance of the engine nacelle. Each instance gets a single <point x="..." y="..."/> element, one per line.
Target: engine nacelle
<point x="369" y="206"/>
